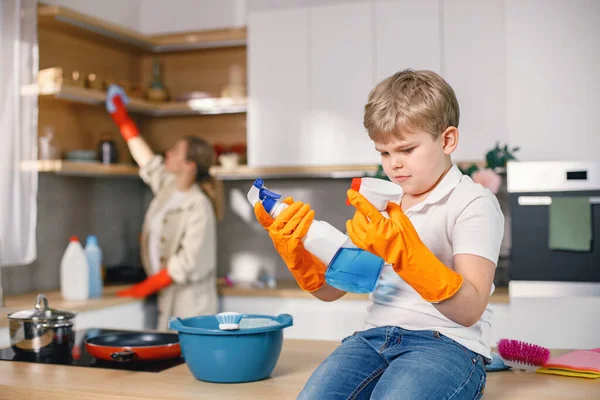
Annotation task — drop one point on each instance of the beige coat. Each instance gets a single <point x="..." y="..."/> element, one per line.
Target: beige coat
<point x="188" y="247"/>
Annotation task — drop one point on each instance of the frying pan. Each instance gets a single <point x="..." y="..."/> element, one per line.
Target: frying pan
<point x="135" y="346"/>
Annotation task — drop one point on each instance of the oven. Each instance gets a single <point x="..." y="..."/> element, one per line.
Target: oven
<point x="538" y="269"/>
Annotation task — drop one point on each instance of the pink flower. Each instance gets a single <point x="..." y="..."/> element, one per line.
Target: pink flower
<point x="488" y="179"/>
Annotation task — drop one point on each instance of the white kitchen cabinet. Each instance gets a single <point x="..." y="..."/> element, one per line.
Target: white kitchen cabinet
<point x="136" y="315"/>
<point x="566" y="323"/>
<point x="313" y="319"/>
<point x="278" y="87"/>
<point x="310" y="73"/>
<point x="558" y="323"/>
<point x="130" y="316"/>
<point x="501" y="326"/>
<point x="553" y="60"/>
<point x="407" y="35"/>
<point x="4" y="337"/>
<point x="474" y="64"/>
<point x="341" y="75"/>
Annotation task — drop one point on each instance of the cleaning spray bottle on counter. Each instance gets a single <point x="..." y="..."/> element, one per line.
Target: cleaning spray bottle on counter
<point x="93" y="255"/>
<point x="74" y="272"/>
<point x="349" y="268"/>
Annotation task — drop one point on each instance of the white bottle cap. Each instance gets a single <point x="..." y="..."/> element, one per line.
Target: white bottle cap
<point x="379" y="192"/>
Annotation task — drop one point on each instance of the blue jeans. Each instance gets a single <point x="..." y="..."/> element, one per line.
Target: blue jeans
<point x="394" y="363"/>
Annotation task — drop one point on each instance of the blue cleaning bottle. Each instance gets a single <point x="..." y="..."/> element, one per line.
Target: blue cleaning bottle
<point x="94" y="259"/>
<point x="348" y="268"/>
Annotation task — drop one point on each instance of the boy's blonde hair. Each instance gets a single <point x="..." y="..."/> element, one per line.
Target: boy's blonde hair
<point x="410" y="100"/>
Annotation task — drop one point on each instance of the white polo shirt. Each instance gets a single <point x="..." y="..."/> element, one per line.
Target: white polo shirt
<point x="458" y="217"/>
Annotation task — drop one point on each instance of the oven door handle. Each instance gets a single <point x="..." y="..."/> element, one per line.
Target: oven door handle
<point x="545" y="200"/>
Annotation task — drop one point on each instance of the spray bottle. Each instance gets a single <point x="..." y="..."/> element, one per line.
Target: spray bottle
<point x="349" y="268"/>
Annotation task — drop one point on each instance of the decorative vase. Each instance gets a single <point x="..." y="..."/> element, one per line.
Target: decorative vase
<point x="157" y="90"/>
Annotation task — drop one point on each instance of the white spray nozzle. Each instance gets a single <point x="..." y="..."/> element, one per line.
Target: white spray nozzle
<point x="254" y="192"/>
<point x="379" y="192"/>
<point x="271" y="201"/>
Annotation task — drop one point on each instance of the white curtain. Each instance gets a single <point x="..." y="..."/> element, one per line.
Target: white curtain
<point x="18" y="130"/>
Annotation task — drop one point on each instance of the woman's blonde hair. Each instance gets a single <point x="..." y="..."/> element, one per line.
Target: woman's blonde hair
<point x="410" y="100"/>
<point x="202" y="153"/>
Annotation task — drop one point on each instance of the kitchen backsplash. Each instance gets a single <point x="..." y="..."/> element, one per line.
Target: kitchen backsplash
<point x="113" y="209"/>
<point x="241" y="238"/>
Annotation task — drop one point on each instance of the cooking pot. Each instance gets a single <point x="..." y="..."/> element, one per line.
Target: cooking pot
<point x="41" y="330"/>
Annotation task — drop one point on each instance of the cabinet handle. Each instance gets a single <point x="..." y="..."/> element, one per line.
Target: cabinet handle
<point x="545" y="200"/>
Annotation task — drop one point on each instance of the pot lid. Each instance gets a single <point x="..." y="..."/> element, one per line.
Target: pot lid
<point x="42" y="312"/>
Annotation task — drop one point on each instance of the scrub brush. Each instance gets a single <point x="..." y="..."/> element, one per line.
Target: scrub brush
<point x="229" y="321"/>
<point x="521" y="355"/>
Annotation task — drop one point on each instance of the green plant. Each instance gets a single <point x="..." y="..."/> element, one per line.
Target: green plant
<point x="494" y="158"/>
<point x="499" y="156"/>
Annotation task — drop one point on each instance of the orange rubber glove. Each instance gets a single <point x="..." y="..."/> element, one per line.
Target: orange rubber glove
<point x="286" y="232"/>
<point x="115" y="105"/>
<point x="148" y="286"/>
<point x="396" y="241"/>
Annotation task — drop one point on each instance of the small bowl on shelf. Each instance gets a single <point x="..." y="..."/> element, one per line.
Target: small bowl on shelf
<point x="229" y="160"/>
<point x="81" y="155"/>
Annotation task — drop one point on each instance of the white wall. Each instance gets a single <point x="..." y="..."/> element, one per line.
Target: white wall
<point x="120" y="12"/>
<point x="165" y="16"/>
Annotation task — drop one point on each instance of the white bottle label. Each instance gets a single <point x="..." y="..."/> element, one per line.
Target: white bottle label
<point x="324" y="240"/>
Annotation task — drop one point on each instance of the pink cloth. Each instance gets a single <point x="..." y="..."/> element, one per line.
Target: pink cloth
<point x="578" y="360"/>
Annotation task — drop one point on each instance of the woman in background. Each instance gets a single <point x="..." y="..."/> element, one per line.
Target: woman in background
<point x="178" y="243"/>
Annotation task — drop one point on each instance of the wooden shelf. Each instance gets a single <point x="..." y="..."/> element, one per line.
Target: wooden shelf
<point x="73" y="168"/>
<point x="65" y="20"/>
<point x="243" y="172"/>
<point x="209" y="106"/>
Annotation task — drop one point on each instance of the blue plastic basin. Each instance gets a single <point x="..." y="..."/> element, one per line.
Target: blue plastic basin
<point x="244" y="355"/>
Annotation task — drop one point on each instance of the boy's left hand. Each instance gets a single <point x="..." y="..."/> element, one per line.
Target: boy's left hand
<point x="396" y="241"/>
<point x="373" y="232"/>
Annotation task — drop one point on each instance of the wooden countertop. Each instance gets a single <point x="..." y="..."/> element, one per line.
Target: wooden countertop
<point x="26" y="301"/>
<point x="289" y="289"/>
<point x="298" y="360"/>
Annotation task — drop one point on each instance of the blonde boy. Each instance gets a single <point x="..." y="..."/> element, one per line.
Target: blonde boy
<point x="428" y="327"/>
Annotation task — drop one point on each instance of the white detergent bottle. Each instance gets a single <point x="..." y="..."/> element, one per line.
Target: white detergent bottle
<point x="93" y="255"/>
<point x="74" y="272"/>
<point x="348" y="268"/>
